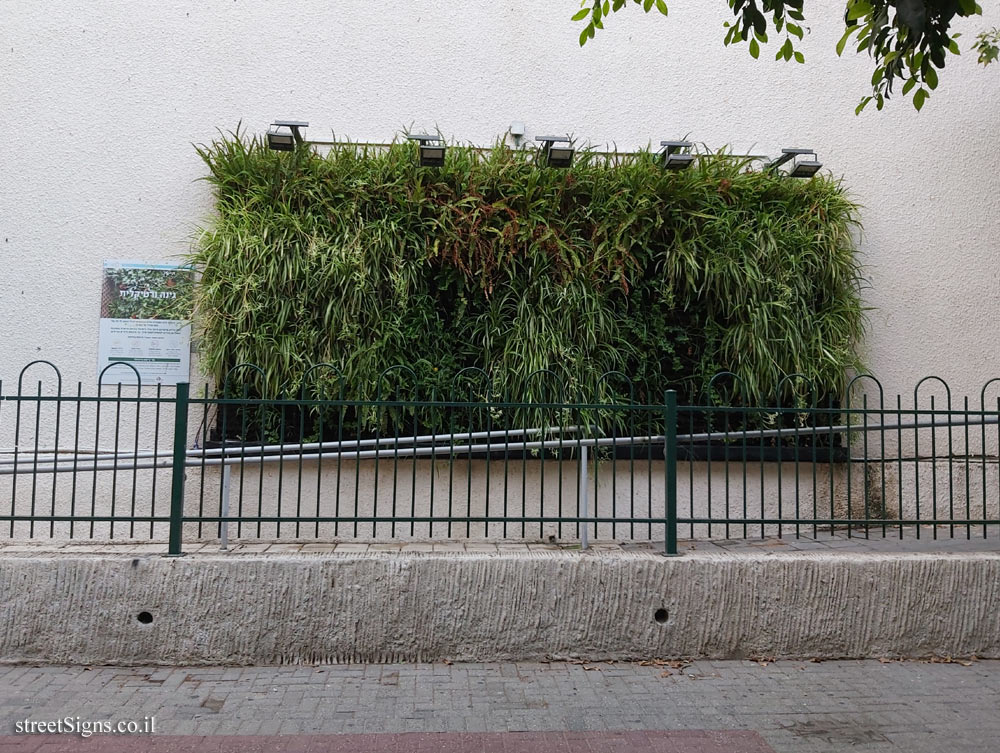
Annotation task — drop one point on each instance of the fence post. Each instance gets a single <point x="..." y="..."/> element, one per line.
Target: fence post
<point x="670" y="471"/>
<point x="177" y="478"/>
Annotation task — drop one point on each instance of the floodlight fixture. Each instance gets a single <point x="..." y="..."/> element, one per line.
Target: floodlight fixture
<point x="285" y="135"/>
<point x="673" y="158"/>
<point x="801" y="166"/>
<point x="557" y="156"/>
<point x="432" y="149"/>
<point x="805" y="168"/>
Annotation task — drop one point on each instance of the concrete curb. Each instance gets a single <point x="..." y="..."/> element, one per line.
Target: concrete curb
<point x="277" y="608"/>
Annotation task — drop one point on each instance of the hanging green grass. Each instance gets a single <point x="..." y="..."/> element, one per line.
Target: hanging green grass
<point x="546" y="279"/>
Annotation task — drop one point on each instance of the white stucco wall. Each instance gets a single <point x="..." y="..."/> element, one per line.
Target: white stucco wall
<point x="101" y="101"/>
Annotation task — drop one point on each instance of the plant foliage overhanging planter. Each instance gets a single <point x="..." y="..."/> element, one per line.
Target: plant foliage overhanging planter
<point x="547" y="279"/>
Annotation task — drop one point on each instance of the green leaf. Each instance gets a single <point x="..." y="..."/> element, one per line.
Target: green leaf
<point x="931" y="77"/>
<point x="581" y="14"/>
<point x="919" y="98"/>
<point x="754" y="49"/>
<point x="647" y="5"/>
<point x="587" y="32"/>
<point x="910" y="83"/>
<point x="662" y="7"/>
<point x="862" y="105"/>
<point x="796" y="30"/>
<point x="607" y="7"/>
<point x="799" y="57"/>
<point x="858" y="10"/>
<point x="843" y="40"/>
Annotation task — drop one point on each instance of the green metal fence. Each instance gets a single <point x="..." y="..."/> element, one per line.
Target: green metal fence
<point x="133" y="462"/>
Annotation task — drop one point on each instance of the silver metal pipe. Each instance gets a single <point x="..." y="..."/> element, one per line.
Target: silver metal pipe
<point x="434" y="451"/>
<point x="584" y="502"/>
<point x="807" y="431"/>
<point x="383" y="442"/>
<point x="54" y="450"/>
<point x="27" y="456"/>
<point x="295" y="447"/>
<point x="224" y="534"/>
<point x="294" y="452"/>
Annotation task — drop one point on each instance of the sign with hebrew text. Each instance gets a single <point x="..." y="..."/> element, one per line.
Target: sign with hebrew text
<point x="145" y="323"/>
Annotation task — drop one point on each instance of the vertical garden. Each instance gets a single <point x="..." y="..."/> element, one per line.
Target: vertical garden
<point x="546" y="279"/>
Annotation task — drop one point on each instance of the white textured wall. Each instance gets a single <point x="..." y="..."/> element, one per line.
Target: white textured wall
<point x="101" y="101"/>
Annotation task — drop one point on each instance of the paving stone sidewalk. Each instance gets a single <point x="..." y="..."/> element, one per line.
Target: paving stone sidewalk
<point x="911" y="707"/>
<point x="924" y="539"/>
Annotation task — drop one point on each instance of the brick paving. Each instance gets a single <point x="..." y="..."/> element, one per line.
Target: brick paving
<point x="911" y="707"/>
<point x="682" y="741"/>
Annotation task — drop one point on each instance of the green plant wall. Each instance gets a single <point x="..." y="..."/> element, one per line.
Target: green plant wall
<point x="362" y="259"/>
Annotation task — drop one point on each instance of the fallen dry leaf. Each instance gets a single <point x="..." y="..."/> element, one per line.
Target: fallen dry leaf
<point x="949" y="660"/>
<point x="672" y="663"/>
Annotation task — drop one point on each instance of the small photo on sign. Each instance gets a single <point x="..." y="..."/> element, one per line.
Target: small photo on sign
<point x="154" y="292"/>
<point x="145" y="323"/>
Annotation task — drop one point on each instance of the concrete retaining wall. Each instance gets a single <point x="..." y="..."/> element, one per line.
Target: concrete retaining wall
<point x="288" y="609"/>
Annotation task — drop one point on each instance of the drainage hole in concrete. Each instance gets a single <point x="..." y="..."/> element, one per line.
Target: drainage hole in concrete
<point x="660" y="615"/>
<point x="144" y="617"/>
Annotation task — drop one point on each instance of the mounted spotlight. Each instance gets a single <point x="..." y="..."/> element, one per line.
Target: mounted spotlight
<point x="673" y="159"/>
<point x="432" y="149"/>
<point x="557" y="156"/>
<point x="284" y="135"/>
<point x="801" y="167"/>
<point x="804" y="168"/>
